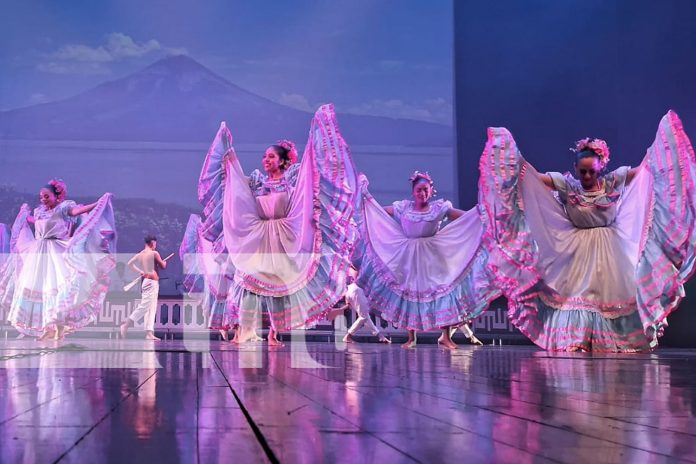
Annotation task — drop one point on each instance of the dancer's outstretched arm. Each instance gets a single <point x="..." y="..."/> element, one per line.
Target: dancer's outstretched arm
<point x="454" y="213"/>
<point x="632" y="173"/>
<point x="82" y="209"/>
<point x="546" y="179"/>
<point x="160" y="262"/>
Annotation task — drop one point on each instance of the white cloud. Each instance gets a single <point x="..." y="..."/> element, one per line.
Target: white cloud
<point x="295" y="100"/>
<point x="442" y="109"/>
<point x="122" y="46"/>
<point x="76" y="52"/>
<point x="436" y="110"/>
<point x="85" y="59"/>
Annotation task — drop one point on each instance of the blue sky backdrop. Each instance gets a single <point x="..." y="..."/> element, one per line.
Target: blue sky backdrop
<point x="389" y="58"/>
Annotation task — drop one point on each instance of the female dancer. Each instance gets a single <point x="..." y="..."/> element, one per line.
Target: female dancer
<point x="57" y="277"/>
<point x="594" y="262"/>
<point x="419" y="275"/>
<point x="287" y="233"/>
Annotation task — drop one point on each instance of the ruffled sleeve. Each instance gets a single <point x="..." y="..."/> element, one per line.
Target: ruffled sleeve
<point x="400" y="207"/>
<point x="256" y="182"/>
<point x="65" y="208"/>
<point x="443" y="207"/>
<point x="560" y="184"/>
<point x="292" y="173"/>
<point x="616" y="180"/>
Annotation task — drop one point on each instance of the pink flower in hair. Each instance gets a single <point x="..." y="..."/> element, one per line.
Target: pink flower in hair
<point x="290" y="147"/>
<point x="598" y="146"/>
<point x="60" y="188"/>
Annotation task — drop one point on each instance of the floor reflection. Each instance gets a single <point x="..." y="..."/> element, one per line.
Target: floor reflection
<point x="142" y="403"/>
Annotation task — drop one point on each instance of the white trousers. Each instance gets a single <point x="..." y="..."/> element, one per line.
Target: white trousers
<point x="147" y="308"/>
<point x="364" y="319"/>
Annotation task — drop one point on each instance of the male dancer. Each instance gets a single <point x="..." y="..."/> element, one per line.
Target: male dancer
<point x="146" y="263"/>
<point x="355" y="299"/>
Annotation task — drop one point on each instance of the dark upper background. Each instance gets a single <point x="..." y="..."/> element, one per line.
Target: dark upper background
<point x="553" y="72"/>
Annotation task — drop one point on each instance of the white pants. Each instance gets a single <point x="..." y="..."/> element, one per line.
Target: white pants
<point x="147" y="308"/>
<point x="364" y="319"/>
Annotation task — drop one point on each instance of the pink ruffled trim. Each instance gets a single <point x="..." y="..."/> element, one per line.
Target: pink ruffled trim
<point x="654" y="294"/>
<point x="609" y="310"/>
<point x="405" y="208"/>
<point x="577" y="199"/>
<point x="542" y="340"/>
<point x="388" y="308"/>
<point x="323" y="304"/>
<point x="74" y="316"/>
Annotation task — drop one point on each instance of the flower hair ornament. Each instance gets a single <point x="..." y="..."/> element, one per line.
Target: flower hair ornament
<point x="423" y="175"/>
<point x="598" y="146"/>
<point x="59" y="188"/>
<point x="290" y="148"/>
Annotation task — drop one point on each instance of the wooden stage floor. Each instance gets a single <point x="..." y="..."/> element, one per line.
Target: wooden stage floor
<point x="91" y="401"/>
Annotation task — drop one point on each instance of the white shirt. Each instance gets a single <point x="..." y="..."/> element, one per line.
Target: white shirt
<point x="355" y="298"/>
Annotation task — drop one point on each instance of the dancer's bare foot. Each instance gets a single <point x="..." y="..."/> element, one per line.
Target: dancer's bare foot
<point x="60" y="333"/>
<point x="348" y="339"/>
<point x="447" y="344"/>
<point x="475" y="341"/>
<point x="576" y="349"/>
<point x="273" y="338"/>
<point x="225" y="335"/>
<point x="445" y="340"/>
<point x="409" y="344"/>
<point x="235" y="338"/>
<point x="123" y="329"/>
<point x="48" y="334"/>
<point x="150" y="335"/>
<point x="383" y="339"/>
<point x="244" y="335"/>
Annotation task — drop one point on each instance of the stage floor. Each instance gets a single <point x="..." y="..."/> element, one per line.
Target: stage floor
<point x="131" y="401"/>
